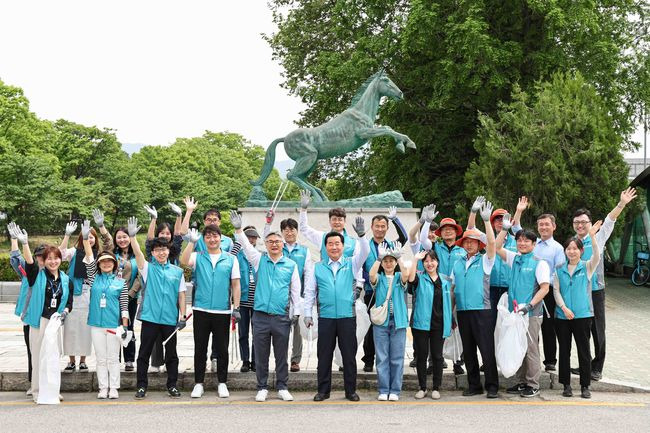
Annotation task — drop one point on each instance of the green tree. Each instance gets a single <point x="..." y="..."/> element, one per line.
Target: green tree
<point x="453" y="60"/>
<point x="558" y="146"/>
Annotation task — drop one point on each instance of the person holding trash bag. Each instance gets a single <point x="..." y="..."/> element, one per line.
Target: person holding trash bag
<point x="108" y="308"/>
<point x="278" y="285"/>
<point x="581" y="225"/>
<point x="299" y="254"/>
<point x="76" y="332"/>
<point x="528" y="283"/>
<point x="50" y="292"/>
<point x="574" y="310"/>
<point x="388" y="277"/>
<point x="127" y="269"/>
<point x="17" y="263"/>
<point x="217" y="276"/>
<point x="431" y="321"/>
<point x="471" y="289"/>
<point x="333" y="288"/>
<point x="162" y="296"/>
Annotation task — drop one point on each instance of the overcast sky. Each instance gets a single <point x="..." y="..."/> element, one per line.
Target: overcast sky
<point x="151" y="70"/>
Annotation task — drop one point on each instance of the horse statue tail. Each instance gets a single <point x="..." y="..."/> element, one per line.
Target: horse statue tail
<point x="269" y="160"/>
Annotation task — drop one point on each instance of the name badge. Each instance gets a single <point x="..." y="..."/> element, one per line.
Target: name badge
<point x="53" y="303"/>
<point x="102" y="302"/>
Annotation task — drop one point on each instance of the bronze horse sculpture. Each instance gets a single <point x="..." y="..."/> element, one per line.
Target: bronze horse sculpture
<point x="344" y="133"/>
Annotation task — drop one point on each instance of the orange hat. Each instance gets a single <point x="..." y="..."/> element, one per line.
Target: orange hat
<point x="471" y="234"/>
<point x="449" y="222"/>
<point x="496" y="213"/>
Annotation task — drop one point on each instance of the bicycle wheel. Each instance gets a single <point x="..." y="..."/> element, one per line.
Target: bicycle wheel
<point x="640" y="275"/>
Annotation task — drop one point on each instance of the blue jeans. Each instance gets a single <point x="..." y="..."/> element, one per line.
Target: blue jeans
<point x="389" y="353"/>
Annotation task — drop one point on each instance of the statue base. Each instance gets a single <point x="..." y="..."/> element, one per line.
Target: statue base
<point x="383" y="200"/>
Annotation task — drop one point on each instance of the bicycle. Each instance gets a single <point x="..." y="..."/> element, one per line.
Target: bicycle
<point x="641" y="272"/>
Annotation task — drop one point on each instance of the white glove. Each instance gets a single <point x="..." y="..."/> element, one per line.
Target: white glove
<point x="478" y="203"/>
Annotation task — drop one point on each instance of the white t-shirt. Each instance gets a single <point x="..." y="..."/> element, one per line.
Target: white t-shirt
<point x="144" y="272"/>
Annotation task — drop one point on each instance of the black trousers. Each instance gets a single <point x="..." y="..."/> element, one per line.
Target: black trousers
<point x="218" y="325"/>
<point x="428" y="343"/>
<point x="476" y="331"/>
<point x="368" y="341"/>
<point x="29" y="352"/>
<point x="149" y="332"/>
<point x="579" y="329"/>
<point x="329" y="331"/>
<point x="129" y="350"/>
<point x="549" y="339"/>
<point x="598" y="330"/>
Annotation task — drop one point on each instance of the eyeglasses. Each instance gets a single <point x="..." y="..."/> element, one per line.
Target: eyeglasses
<point x="274" y="242"/>
<point x="580" y="223"/>
<point x="160" y="250"/>
<point x="212" y="220"/>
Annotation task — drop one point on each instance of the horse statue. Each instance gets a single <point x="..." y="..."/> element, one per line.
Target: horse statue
<point x="344" y="133"/>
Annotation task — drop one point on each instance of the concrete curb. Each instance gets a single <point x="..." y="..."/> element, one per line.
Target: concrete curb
<point x="302" y="381"/>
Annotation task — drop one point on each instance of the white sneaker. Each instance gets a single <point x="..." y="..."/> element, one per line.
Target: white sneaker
<point x="153" y="369"/>
<point x="420" y="394"/>
<point x="285" y="395"/>
<point x="113" y="394"/>
<point x="197" y="392"/>
<point x="102" y="394"/>
<point x="29" y="391"/>
<point x="213" y="365"/>
<point x="382" y="397"/>
<point x="393" y="397"/>
<point x="60" y="397"/>
<point x="222" y="391"/>
<point x="35" y="397"/>
<point x="435" y="395"/>
<point x="261" y="395"/>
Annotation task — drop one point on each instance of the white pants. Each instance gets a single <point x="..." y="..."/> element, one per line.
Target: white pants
<point x="107" y="352"/>
<point x="35" y="342"/>
<point x="76" y="332"/>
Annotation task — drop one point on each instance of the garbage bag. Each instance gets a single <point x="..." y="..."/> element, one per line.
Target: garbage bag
<point x="363" y="324"/>
<point x="510" y="340"/>
<point x="49" y="380"/>
<point x="453" y="347"/>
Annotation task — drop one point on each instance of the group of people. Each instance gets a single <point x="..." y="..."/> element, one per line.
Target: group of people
<point x="456" y="279"/>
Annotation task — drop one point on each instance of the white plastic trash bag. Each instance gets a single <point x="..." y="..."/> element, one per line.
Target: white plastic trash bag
<point x="510" y="340"/>
<point x="49" y="380"/>
<point x="453" y="346"/>
<point x="363" y="324"/>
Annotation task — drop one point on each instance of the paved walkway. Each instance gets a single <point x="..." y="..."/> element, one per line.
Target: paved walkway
<point x="628" y="339"/>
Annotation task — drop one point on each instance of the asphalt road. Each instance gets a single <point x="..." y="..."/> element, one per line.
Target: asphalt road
<point x="605" y="412"/>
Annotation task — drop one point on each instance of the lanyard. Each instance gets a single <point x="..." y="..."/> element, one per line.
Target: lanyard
<point x="52" y="284"/>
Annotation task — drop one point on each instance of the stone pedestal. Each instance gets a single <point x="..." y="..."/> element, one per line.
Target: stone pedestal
<point x="319" y="220"/>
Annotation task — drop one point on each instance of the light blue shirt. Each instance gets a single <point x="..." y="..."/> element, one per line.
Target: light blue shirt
<point x="551" y="251"/>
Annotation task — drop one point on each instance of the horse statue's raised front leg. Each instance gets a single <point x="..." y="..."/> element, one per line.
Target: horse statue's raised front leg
<point x="400" y="139"/>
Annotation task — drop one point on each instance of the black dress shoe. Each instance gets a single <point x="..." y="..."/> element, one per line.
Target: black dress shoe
<point x="584" y="392"/>
<point x="492" y="394"/>
<point x="575" y="371"/>
<point x="596" y="375"/>
<point x="245" y="367"/>
<point x="458" y="370"/>
<point x="413" y="363"/>
<point x="568" y="392"/>
<point x="321" y="397"/>
<point x="352" y="397"/>
<point x="470" y="392"/>
<point x="550" y="367"/>
<point x="367" y="368"/>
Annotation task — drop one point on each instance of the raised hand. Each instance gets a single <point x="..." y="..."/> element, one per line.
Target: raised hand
<point x="175" y="208"/>
<point x="595" y="227"/>
<point x="359" y="226"/>
<point x="478" y="203"/>
<point x="397" y="250"/>
<point x="85" y="230"/>
<point x="11" y="227"/>
<point x="423" y="213"/>
<point x="392" y="213"/>
<point x="235" y="219"/>
<point x="486" y="210"/>
<point x="382" y="251"/>
<point x="190" y="204"/>
<point x="628" y="195"/>
<point x="70" y="228"/>
<point x="507" y="223"/>
<point x="98" y="216"/>
<point x="305" y="198"/>
<point x="21" y="235"/>
<point x="523" y="203"/>
<point x="193" y="236"/>
<point x="420" y="255"/>
<point x="269" y="216"/>
<point x="153" y="213"/>
<point x="132" y="226"/>
<point x="431" y="213"/>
